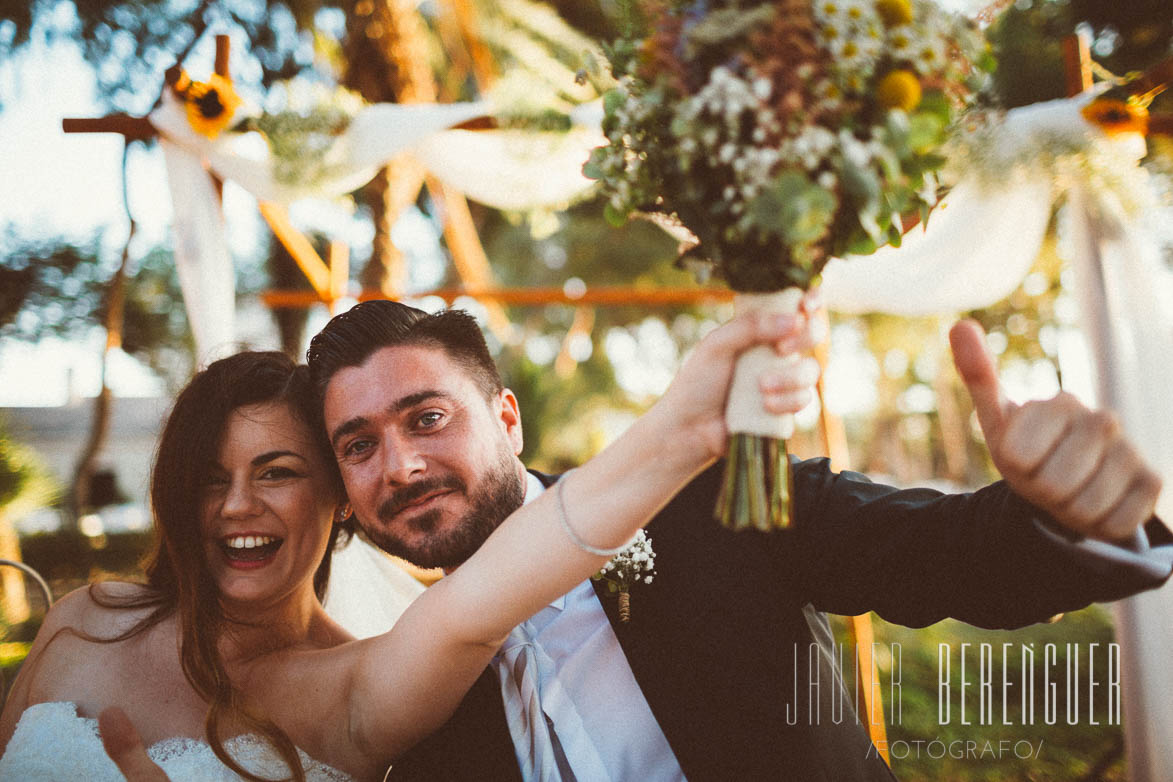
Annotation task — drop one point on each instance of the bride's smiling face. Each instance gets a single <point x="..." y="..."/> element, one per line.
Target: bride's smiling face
<point x="267" y="505"/>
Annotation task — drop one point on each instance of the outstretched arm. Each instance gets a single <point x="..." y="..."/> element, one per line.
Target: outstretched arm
<point x="1074" y="463"/>
<point x="410" y="680"/>
<point x="1062" y="530"/>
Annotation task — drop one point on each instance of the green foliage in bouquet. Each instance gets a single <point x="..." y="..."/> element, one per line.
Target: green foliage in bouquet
<point x="784" y="132"/>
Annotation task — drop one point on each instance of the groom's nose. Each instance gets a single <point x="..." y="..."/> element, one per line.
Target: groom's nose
<point x="402" y="462"/>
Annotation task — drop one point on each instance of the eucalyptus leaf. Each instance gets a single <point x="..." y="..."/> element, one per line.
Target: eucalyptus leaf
<point x="936" y="103"/>
<point x="616" y="218"/>
<point x="926" y="131"/>
<point x="794" y="209"/>
<point x="860" y="182"/>
<point x="612" y="100"/>
<point x="861" y="244"/>
<point x="592" y="168"/>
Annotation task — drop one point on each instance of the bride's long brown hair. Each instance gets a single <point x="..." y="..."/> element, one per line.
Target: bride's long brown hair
<point x="178" y="578"/>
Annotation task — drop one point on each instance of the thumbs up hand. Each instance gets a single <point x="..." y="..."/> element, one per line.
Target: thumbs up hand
<point x="125" y="748"/>
<point x="1072" y="462"/>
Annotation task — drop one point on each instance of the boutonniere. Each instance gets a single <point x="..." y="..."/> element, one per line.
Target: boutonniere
<point x="636" y="564"/>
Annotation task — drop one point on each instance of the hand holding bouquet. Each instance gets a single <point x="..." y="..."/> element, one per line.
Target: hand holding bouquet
<point x="782" y="133"/>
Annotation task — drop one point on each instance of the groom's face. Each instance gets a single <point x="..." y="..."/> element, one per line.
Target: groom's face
<point x="430" y="464"/>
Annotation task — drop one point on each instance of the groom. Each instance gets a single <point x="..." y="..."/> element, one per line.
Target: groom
<point x="700" y="683"/>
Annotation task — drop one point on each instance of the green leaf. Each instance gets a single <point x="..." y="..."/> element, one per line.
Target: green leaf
<point x="861" y="244"/>
<point x="614" y="217"/>
<point x="861" y="183"/>
<point x="794" y="209"/>
<point x="926" y="131"/>
<point x="612" y="100"/>
<point x="896" y="126"/>
<point x="593" y="168"/>
<point x="936" y="103"/>
<point x="895" y="231"/>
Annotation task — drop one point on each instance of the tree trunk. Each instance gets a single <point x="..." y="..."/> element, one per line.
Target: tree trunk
<point x="387" y="61"/>
<point x="15" y="603"/>
<point x="100" y="423"/>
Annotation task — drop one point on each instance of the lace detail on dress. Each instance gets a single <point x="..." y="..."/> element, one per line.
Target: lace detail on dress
<point x="53" y="743"/>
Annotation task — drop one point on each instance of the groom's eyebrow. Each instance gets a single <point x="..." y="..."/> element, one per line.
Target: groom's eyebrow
<point x="411" y="400"/>
<point x="352" y="425"/>
<point x="347" y="427"/>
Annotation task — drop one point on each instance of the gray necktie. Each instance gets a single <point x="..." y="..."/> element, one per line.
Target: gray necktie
<point x="520" y="667"/>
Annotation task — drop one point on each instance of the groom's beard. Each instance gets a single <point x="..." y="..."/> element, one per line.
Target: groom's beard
<point x="500" y="494"/>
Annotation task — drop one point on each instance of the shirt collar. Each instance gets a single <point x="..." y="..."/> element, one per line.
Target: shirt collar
<point x="534" y="489"/>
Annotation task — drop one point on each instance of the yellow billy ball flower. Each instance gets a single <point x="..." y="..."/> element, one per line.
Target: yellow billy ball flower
<point x="894" y="12"/>
<point x="1115" y="116"/>
<point x="900" y="89"/>
<point x="211" y="104"/>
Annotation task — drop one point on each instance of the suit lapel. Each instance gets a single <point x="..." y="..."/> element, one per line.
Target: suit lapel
<point x="645" y="653"/>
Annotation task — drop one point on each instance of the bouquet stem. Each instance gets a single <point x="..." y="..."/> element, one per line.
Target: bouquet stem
<point x="756" y="490"/>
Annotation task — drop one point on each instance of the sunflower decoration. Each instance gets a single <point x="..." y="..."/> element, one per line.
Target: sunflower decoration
<point x="210" y="105"/>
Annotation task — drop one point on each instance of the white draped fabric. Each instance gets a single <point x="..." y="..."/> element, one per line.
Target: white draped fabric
<point x="367" y="590"/>
<point x="506" y="169"/>
<point x="1126" y="297"/>
<point x="976" y="249"/>
<point x="512" y="169"/>
<point x="201" y="253"/>
<point x="377" y="134"/>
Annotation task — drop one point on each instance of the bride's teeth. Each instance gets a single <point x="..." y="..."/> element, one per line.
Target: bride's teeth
<point x="248" y="541"/>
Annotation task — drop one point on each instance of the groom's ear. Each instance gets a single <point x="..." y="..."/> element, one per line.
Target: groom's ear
<point x="509" y="413"/>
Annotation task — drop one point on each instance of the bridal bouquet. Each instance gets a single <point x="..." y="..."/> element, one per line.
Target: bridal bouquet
<point x="780" y="133"/>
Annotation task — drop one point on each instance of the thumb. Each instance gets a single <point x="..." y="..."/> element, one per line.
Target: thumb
<point x="976" y="367"/>
<point x="746" y="331"/>
<point x="125" y="748"/>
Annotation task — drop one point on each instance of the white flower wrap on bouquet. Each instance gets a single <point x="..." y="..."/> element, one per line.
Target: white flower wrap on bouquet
<point x="743" y="409"/>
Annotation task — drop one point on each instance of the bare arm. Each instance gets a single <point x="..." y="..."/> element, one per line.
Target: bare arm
<point x="409" y="681"/>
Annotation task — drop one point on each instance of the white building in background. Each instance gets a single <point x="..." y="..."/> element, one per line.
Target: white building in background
<point x="57" y="434"/>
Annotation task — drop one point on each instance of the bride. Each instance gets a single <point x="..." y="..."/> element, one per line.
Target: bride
<point x="225" y="661"/>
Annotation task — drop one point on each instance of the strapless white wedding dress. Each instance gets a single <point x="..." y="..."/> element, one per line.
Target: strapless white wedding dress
<point x="53" y="744"/>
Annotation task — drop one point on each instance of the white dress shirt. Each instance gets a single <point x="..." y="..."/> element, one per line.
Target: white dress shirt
<point x="595" y="688"/>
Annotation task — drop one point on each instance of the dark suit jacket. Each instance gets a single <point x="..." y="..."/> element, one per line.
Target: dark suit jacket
<point x="713" y="640"/>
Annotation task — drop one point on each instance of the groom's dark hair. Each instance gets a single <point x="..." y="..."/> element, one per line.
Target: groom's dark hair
<point x="350" y="338"/>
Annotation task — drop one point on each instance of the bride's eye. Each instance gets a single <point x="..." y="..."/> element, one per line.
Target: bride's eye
<point x="278" y="473"/>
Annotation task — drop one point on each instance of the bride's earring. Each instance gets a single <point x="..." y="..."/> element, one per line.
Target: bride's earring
<point x="342" y="513"/>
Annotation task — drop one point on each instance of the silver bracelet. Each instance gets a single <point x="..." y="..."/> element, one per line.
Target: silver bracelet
<point x="582" y="544"/>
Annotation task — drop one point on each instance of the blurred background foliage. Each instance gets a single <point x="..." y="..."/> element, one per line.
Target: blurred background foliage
<point x="561" y="360"/>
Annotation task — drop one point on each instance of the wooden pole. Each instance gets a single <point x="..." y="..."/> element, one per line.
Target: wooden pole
<point x="597" y="296"/>
<point x="307" y="258"/>
<point x="133" y="128"/>
<point x="223" y="48"/>
<point x="584" y="321"/>
<point x="468" y="254"/>
<point x="1077" y="63"/>
<point x="859" y="628"/>
<point x="339" y="272"/>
